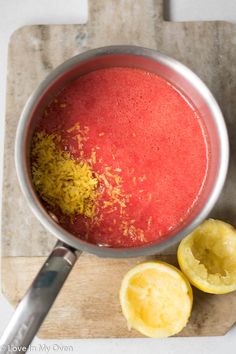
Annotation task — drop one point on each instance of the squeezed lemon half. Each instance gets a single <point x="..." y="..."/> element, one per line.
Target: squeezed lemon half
<point x="156" y="299"/>
<point x="208" y="257"/>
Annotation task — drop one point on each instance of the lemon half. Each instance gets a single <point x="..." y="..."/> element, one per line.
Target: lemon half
<point x="156" y="299"/>
<point x="208" y="257"/>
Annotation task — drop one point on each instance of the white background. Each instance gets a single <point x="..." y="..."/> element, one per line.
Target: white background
<point x="16" y="13"/>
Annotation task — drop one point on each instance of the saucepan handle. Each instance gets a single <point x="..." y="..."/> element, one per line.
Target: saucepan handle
<point x="37" y="301"/>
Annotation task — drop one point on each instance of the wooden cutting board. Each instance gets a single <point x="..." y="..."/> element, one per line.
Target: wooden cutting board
<point x="88" y="305"/>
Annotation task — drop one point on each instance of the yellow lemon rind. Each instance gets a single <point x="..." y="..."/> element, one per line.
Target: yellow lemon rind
<point x="138" y="324"/>
<point x="194" y="278"/>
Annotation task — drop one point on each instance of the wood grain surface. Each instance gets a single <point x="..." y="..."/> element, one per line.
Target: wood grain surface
<point x="88" y="305"/>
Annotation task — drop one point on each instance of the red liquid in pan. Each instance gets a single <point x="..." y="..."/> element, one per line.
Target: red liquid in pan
<point x="147" y="133"/>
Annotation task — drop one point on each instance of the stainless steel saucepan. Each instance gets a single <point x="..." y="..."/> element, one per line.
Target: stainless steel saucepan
<point x="33" y="308"/>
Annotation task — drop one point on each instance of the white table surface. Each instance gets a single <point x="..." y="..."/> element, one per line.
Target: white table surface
<point x="16" y="13"/>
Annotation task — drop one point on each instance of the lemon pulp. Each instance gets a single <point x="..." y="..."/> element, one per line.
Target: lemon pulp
<point x="208" y="257"/>
<point x="156" y="299"/>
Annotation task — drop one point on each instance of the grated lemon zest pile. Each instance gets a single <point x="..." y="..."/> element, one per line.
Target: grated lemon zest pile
<point x="60" y="180"/>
